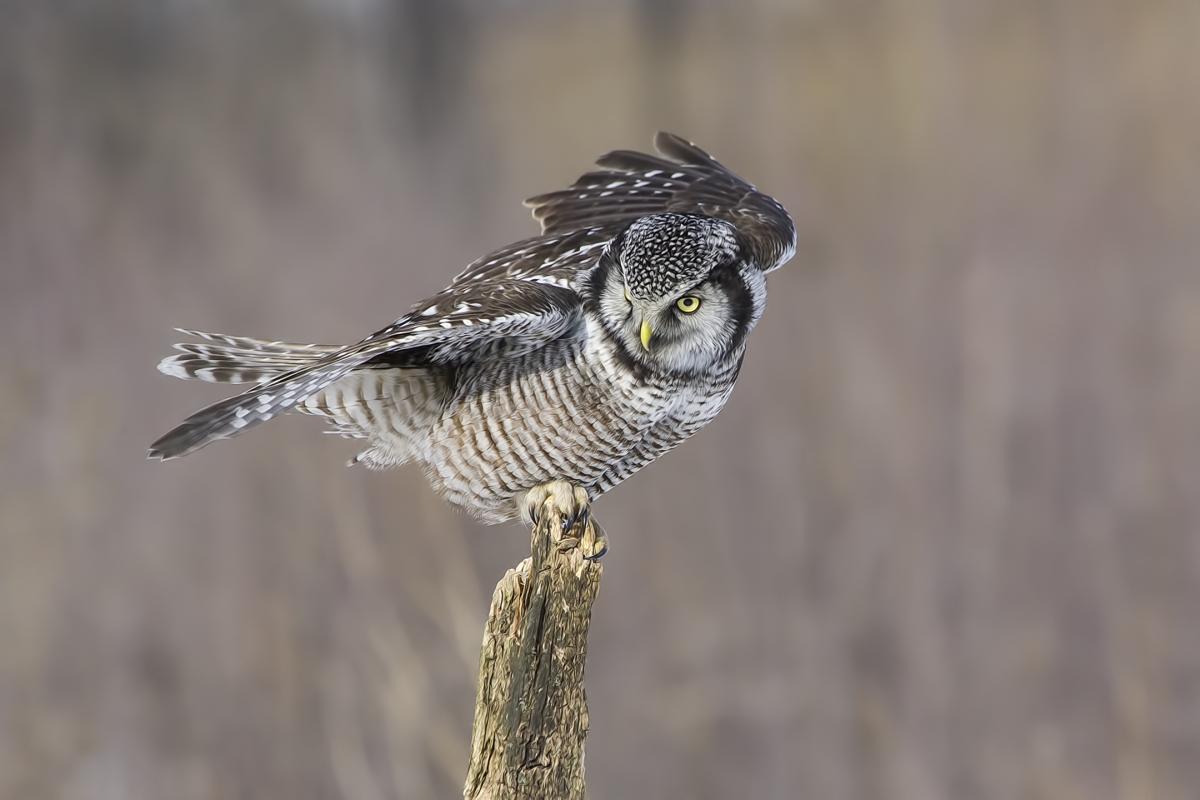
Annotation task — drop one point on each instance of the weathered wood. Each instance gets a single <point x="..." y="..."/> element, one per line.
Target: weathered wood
<point x="530" y="709"/>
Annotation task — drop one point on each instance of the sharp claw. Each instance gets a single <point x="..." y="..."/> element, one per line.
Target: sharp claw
<point x="598" y="554"/>
<point x="600" y="540"/>
<point x="580" y="518"/>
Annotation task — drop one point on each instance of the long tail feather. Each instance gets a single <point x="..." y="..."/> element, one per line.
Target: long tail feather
<point x="242" y="412"/>
<point x="238" y="359"/>
<point x="285" y="373"/>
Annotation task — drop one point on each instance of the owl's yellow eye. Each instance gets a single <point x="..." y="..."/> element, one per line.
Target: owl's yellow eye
<point x="628" y="296"/>
<point x="688" y="304"/>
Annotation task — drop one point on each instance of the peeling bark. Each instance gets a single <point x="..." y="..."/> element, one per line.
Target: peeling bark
<point x="531" y="714"/>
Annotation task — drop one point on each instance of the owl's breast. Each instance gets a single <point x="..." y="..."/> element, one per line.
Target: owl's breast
<point x="570" y="411"/>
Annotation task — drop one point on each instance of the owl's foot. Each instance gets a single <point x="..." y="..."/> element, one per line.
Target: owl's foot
<point x="569" y="502"/>
<point x="572" y="505"/>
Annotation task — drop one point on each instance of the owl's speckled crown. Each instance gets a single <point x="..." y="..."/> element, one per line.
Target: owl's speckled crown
<point x="664" y="253"/>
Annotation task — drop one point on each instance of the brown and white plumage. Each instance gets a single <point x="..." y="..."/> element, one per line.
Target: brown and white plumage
<point x="578" y="355"/>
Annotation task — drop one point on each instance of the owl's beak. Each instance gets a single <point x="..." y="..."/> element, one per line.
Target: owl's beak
<point x="646" y="335"/>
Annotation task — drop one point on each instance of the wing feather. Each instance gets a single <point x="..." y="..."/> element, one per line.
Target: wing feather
<point x="686" y="180"/>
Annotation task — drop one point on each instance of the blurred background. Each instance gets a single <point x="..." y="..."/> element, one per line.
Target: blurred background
<point x="944" y="542"/>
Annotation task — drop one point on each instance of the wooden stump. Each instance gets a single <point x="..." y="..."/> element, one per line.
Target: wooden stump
<point x="530" y="708"/>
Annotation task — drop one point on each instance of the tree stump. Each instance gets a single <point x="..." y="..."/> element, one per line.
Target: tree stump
<point x="531" y="713"/>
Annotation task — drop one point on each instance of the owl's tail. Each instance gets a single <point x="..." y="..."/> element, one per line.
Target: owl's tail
<point x="238" y="359"/>
<point x="286" y="374"/>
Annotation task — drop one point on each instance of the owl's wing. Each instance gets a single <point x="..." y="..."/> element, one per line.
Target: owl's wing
<point x="553" y="259"/>
<point x="459" y="324"/>
<point x="467" y="319"/>
<point x="687" y="180"/>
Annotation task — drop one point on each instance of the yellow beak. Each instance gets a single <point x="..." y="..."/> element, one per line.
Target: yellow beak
<point x="646" y="335"/>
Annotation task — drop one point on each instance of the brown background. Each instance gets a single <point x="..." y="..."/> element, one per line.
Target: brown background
<point x="943" y="542"/>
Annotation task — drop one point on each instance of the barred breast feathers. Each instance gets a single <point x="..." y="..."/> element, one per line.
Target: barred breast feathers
<point x="393" y="408"/>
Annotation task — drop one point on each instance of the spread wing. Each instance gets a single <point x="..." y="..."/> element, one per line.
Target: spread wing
<point x="686" y="180"/>
<point x="458" y="325"/>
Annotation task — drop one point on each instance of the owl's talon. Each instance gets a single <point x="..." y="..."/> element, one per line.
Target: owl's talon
<point x="599" y="554"/>
<point x="599" y="543"/>
<point x="568" y="502"/>
<point x="580" y="518"/>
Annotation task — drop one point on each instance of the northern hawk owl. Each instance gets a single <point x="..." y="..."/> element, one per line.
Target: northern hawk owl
<point x="555" y="367"/>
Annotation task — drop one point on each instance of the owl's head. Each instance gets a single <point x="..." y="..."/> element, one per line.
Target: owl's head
<point x="677" y="292"/>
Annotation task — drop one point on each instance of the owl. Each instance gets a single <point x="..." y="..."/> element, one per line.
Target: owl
<point x="551" y="369"/>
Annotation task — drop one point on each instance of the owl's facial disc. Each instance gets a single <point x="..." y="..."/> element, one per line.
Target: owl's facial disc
<point x="687" y="304"/>
<point x="673" y="291"/>
<point x="663" y="333"/>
